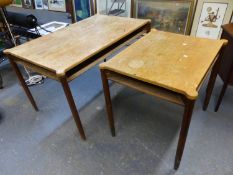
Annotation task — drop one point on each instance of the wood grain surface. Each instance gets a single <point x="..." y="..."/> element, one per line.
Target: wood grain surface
<point x="63" y="50"/>
<point x="175" y="62"/>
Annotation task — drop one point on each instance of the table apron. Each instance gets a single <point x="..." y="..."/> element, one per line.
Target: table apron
<point x="49" y="73"/>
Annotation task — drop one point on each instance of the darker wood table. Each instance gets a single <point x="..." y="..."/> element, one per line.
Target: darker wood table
<point x="169" y="66"/>
<point x="67" y="53"/>
<point x="224" y="69"/>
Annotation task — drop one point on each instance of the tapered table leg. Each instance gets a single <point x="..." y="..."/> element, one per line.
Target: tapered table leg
<point x="210" y="88"/>
<point x="189" y="104"/>
<point x="212" y="80"/>
<point x="1" y="86"/>
<point x="221" y="96"/>
<point x="23" y="84"/>
<point x="72" y="105"/>
<point x="108" y="102"/>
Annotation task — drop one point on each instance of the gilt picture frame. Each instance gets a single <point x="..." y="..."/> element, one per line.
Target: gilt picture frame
<point x="174" y="16"/>
<point x="210" y="16"/>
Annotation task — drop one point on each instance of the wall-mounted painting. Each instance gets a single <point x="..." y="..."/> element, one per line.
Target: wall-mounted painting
<point x="29" y="4"/>
<point x="82" y="9"/>
<point x="114" y="7"/>
<point x="57" y="5"/>
<point x="210" y="16"/>
<point x="167" y="15"/>
<point x="17" y="3"/>
<point x="38" y="4"/>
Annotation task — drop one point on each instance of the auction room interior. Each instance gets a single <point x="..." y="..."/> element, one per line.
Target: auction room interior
<point x="116" y="87"/>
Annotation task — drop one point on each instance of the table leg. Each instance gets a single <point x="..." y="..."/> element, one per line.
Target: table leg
<point x="189" y="104"/>
<point x="221" y="96"/>
<point x="212" y="79"/>
<point x="72" y="105"/>
<point x="108" y="102"/>
<point x="1" y="86"/>
<point x="23" y="84"/>
<point x="211" y="83"/>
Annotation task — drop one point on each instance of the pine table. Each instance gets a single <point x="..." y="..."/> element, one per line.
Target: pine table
<point x="67" y="53"/>
<point x="166" y="65"/>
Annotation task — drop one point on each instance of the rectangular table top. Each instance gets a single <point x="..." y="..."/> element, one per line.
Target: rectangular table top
<point x="176" y="62"/>
<point x="63" y="50"/>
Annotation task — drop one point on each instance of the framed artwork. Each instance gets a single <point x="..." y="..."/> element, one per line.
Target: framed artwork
<point x="45" y="4"/>
<point x="82" y="9"/>
<point x="114" y="7"/>
<point x="48" y="28"/>
<point x="232" y="18"/>
<point x="167" y="15"/>
<point x="57" y="5"/>
<point x="210" y="16"/>
<point x="17" y="3"/>
<point x="29" y="4"/>
<point x="38" y="4"/>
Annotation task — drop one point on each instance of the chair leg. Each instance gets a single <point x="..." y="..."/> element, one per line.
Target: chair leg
<point x="108" y="102"/>
<point x="23" y="84"/>
<point x="72" y="105"/>
<point x="189" y="104"/>
<point x="221" y="96"/>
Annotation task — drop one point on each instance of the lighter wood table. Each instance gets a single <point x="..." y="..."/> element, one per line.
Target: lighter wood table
<point x="165" y="65"/>
<point x="69" y="52"/>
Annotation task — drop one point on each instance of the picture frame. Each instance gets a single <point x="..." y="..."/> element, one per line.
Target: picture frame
<point x="45" y="4"/>
<point x="82" y="9"/>
<point x="48" y="28"/>
<point x="57" y="5"/>
<point x="28" y="4"/>
<point x="114" y="7"/>
<point x="232" y="18"/>
<point x="210" y="16"/>
<point x="174" y="16"/>
<point x="17" y="3"/>
<point x="38" y="4"/>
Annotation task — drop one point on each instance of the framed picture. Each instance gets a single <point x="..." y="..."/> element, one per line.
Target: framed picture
<point x="29" y="4"/>
<point x="232" y="18"/>
<point x="167" y="15"/>
<point x="17" y="3"/>
<point x="114" y="7"/>
<point x="57" y="5"/>
<point x="210" y="16"/>
<point x="38" y="4"/>
<point x="48" y="28"/>
<point x="45" y="4"/>
<point x="82" y="9"/>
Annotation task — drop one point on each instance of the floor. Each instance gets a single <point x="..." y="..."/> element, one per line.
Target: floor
<point x="47" y="142"/>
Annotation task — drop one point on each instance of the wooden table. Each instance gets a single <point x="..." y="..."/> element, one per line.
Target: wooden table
<point x="165" y="65"/>
<point x="69" y="52"/>
<point x="224" y="69"/>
